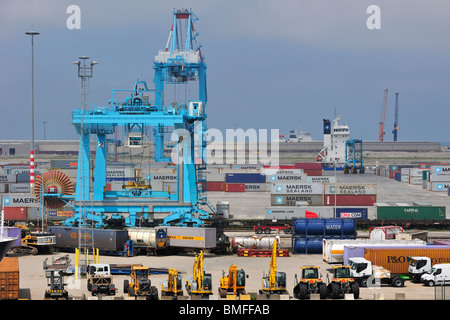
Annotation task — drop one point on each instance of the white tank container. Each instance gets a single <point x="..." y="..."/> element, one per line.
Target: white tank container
<point x="253" y="242"/>
<point x="384" y="233"/>
<point x="143" y="236"/>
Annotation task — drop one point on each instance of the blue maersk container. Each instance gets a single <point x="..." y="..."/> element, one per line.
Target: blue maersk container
<point x="308" y="234"/>
<point x="245" y="178"/>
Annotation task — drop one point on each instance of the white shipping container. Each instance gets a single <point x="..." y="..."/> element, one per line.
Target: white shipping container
<point x="415" y="172"/>
<point x="363" y="189"/>
<point x="405" y="178"/>
<point x="297" y="188"/>
<point x="415" y="180"/>
<point x="405" y="171"/>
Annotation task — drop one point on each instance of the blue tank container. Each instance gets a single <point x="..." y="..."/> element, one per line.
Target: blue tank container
<point x="307" y="245"/>
<point x="324" y="227"/>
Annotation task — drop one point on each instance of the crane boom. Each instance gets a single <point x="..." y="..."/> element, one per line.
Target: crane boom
<point x="383" y="115"/>
<point x="396" y="117"/>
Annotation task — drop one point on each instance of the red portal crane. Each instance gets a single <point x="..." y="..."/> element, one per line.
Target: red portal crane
<point x="383" y="115"/>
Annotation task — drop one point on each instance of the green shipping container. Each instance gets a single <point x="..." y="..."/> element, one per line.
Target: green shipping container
<point x="410" y="213"/>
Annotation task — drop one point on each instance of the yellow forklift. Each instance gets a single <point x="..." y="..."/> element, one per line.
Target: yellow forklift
<point x="274" y="282"/>
<point x="200" y="282"/>
<point x="173" y="285"/>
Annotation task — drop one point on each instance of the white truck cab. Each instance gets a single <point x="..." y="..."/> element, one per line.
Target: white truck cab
<point x="99" y="269"/>
<point x="418" y="266"/>
<point x="438" y="274"/>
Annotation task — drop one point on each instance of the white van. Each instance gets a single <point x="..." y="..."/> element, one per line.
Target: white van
<point x="438" y="274"/>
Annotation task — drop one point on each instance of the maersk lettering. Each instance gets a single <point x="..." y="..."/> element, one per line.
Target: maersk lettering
<point x="165" y="177"/>
<point x="23" y="200"/>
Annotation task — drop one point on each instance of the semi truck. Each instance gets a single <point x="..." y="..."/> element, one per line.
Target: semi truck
<point x="366" y="274"/>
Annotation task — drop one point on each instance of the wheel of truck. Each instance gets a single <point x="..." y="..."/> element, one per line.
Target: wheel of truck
<point x="266" y="230"/>
<point x="126" y="283"/>
<point x="334" y="290"/>
<point x="323" y="290"/>
<point x="355" y="289"/>
<point x="363" y="282"/>
<point x="397" y="282"/>
<point x="430" y="283"/>
<point x="303" y="291"/>
<point x="259" y="231"/>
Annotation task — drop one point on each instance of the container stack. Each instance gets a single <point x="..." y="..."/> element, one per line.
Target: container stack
<point x="308" y="234"/>
<point x="439" y="178"/>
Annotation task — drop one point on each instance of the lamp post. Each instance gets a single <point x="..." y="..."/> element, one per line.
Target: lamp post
<point x="85" y="72"/>
<point x="32" y="34"/>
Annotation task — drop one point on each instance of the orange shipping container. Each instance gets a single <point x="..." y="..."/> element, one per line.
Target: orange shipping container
<point x="9" y="279"/>
<point x="395" y="259"/>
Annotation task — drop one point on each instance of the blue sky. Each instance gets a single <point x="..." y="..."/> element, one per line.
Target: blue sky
<point x="271" y="64"/>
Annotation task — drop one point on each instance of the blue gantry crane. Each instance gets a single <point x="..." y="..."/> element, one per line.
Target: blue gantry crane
<point x="354" y="156"/>
<point x="395" y="131"/>
<point x="142" y="111"/>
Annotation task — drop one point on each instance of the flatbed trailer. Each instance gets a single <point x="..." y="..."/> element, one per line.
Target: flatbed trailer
<point x="267" y="229"/>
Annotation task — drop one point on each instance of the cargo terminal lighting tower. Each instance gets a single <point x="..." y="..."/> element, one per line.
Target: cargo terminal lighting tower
<point x="143" y="110"/>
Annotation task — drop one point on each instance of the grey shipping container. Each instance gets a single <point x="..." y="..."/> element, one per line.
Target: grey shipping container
<point x="8" y="178"/>
<point x="321" y="179"/>
<point x="288" y="213"/>
<point x="439" y="186"/>
<point x="350" y="189"/>
<point x="256" y="187"/>
<point x="104" y="239"/>
<point x="287" y="177"/>
<point x="19" y="200"/>
<point x="189" y="237"/>
<point x="19" y="187"/>
<point x="292" y="199"/>
<point x="297" y="188"/>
